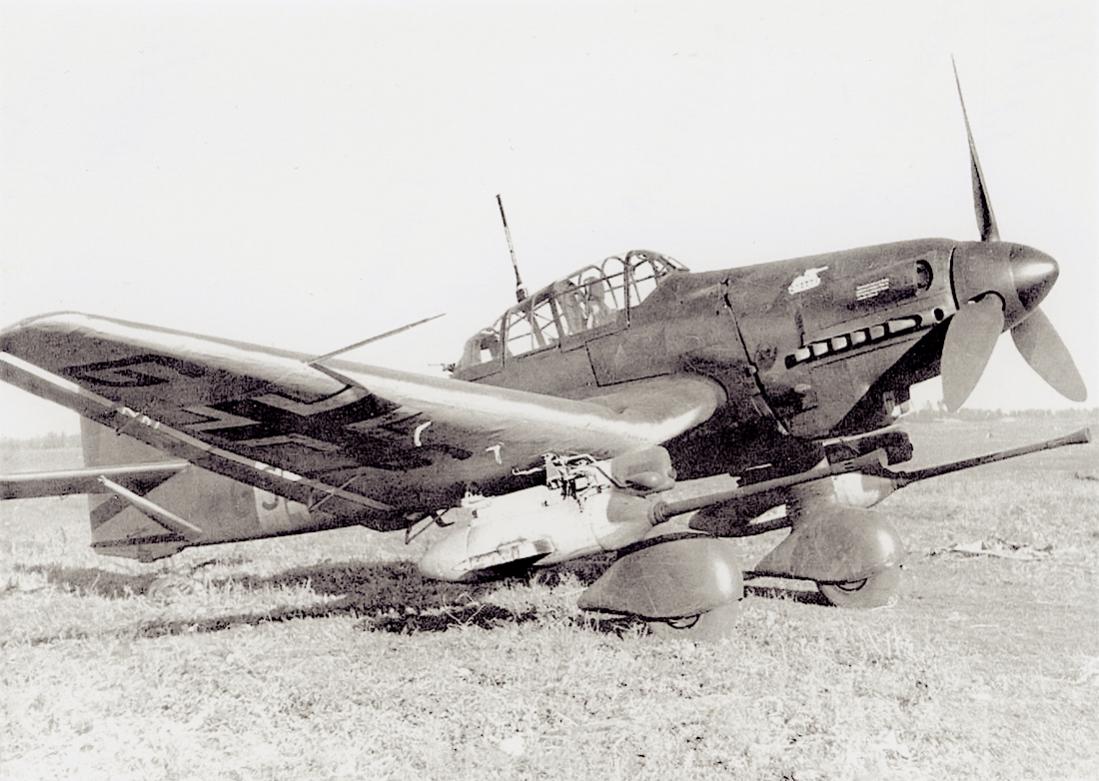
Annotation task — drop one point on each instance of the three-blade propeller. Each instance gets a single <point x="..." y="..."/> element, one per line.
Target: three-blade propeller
<point x="974" y="328"/>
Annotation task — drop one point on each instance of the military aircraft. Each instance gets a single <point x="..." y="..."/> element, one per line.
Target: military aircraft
<point x="583" y="419"/>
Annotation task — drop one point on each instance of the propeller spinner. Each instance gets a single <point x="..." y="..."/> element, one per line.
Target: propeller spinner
<point x="996" y="284"/>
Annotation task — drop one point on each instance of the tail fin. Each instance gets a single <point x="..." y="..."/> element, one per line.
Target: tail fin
<point x="222" y="509"/>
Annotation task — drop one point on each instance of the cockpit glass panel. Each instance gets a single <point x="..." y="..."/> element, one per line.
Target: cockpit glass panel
<point x="570" y="306"/>
<point x="482" y="347"/>
<point x="614" y="274"/>
<point x="532" y="328"/>
<point x="543" y="322"/>
<point x="592" y="297"/>
<point x="646" y="271"/>
<point x="603" y="293"/>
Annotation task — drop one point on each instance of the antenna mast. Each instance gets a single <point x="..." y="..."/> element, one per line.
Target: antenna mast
<point x="520" y="291"/>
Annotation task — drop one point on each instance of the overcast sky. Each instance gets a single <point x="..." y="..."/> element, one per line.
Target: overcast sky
<point x="305" y="175"/>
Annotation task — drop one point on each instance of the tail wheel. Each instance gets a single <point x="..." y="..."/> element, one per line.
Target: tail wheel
<point x="877" y="590"/>
<point x="710" y="626"/>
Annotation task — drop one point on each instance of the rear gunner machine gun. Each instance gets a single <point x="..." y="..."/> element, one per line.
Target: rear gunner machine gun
<point x="586" y="506"/>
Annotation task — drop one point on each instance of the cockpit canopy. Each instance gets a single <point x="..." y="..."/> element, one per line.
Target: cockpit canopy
<point x="590" y="300"/>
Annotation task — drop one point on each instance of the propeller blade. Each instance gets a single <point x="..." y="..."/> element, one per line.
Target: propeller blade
<point x="970" y="337"/>
<point x="1041" y="346"/>
<point x="986" y="220"/>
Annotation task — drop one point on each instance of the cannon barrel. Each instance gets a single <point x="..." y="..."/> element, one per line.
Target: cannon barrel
<point x="872" y="463"/>
<point x="1081" y="437"/>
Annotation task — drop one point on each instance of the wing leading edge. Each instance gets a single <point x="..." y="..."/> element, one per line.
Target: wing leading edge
<point x="375" y="441"/>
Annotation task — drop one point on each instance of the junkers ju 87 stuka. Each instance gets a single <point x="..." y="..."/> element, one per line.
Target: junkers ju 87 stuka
<point x="584" y="419"/>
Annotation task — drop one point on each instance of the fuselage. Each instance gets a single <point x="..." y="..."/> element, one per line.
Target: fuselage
<point x="806" y="348"/>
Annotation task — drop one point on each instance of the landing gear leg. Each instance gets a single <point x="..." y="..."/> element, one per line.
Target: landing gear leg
<point x="877" y="590"/>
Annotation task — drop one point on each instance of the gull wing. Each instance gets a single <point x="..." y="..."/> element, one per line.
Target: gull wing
<point x="375" y="441"/>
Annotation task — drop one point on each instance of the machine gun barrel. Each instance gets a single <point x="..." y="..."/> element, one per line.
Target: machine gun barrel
<point x="1081" y="437"/>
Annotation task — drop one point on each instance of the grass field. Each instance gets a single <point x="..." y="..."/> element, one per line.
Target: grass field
<point x="327" y="656"/>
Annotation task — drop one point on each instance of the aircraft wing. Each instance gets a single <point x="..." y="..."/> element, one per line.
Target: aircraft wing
<point x="373" y="441"/>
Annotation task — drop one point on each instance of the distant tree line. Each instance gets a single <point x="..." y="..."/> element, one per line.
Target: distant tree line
<point x="938" y="411"/>
<point x="55" y="440"/>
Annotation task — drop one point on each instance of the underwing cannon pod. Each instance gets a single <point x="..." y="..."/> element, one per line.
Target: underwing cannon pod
<point x="585" y="507"/>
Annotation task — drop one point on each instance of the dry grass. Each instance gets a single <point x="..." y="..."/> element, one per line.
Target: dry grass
<point x="327" y="656"/>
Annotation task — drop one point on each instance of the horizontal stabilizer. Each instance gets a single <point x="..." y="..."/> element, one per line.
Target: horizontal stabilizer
<point x="141" y="478"/>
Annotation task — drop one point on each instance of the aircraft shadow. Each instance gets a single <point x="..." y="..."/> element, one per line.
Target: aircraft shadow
<point x="801" y="596"/>
<point x="91" y="580"/>
<point x="387" y="597"/>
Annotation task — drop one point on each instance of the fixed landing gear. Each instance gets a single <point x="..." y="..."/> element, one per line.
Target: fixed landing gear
<point x="682" y="586"/>
<point x="710" y="626"/>
<point x="834" y="547"/>
<point x="877" y="590"/>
